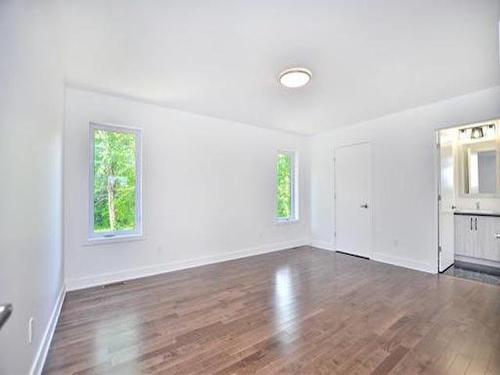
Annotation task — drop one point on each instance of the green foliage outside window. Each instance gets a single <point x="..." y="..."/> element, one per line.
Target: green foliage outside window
<point x="114" y="181"/>
<point x="284" y="186"/>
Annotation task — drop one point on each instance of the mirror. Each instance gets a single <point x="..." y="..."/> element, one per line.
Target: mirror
<point x="480" y="169"/>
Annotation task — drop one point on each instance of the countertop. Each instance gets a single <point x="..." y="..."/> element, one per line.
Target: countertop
<point x="477" y="213"/>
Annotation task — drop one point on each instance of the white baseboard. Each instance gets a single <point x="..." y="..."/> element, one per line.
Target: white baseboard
<point x="322" y="245"/>
<point x="383" y="258"/>
<point x="135" y="273"/>
<point x="41" y="355"/>
<point x="407" y="263"/>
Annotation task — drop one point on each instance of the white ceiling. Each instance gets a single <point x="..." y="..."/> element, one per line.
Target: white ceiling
<point x="222" y="58"/>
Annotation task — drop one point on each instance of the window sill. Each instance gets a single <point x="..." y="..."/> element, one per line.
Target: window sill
<point x="287" y="222"/>
<point x="110" y="240"/>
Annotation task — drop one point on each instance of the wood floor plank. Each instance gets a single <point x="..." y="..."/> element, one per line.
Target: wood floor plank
<point x="298" y="311"/>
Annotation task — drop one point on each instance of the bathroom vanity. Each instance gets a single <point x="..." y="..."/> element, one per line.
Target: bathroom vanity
<point x="477" y="237"/>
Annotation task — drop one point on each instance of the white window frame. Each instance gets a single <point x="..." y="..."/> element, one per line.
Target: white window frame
<point x="116" y="235"/>
<point x="294" y="217"/>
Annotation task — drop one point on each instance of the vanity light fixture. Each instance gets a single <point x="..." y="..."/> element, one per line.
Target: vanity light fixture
<point x="463" y="135"/>
<point x="474" y="133"/>
<point x="477" y="133"/>
<point x="491" y="130"/>
<point x="295" y="77"/>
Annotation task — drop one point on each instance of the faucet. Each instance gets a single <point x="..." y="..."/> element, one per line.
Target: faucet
<point x="478" y="205"/>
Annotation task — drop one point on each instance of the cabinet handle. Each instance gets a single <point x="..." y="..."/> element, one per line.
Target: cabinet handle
<point x="475" y="223"/>
<point x="471" y="227"/>
<point x="5" y="311"/>
<point x="497" y="236"/>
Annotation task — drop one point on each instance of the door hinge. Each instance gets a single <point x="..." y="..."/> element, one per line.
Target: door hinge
<point x="439" y="197"/>
<point x="440" y="249"/>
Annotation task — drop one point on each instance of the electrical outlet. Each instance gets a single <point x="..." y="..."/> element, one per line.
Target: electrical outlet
<point x="30" y="330"/>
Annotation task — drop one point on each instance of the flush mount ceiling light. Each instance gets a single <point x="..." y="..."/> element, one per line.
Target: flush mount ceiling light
<point x="295" y="77"/>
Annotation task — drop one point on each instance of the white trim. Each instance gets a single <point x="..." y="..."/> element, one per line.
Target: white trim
<point x="98" y="241"/>
<point x="437" y="176"/>
<point x="402" y="262"/>
<point x="138" y="231"/>
<point x="324" y="245"/>
<point x="41" y="355"/>
<point x="294" y="188"/>
<point x="383" y="258"/>
<point x="286" y="222"/>
<point x="134" y="273"/>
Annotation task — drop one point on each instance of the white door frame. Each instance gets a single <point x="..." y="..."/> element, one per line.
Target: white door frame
<point x="437" y="169"/>
<point x="371" y="192"/>
<point x="439" y="197"/>
<point x="437" y="173"/>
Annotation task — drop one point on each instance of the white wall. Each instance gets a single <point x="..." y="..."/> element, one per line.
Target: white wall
<point x="404" y="206"/>
<point x="208" y="190"/>
<point x="31" y="118"/>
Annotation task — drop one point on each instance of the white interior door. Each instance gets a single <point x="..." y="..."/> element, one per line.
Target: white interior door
<point x="353" y="203"/>
<point x="446" y="203"/>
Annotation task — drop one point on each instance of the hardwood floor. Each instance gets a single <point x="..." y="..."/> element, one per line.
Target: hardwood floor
<point x="299" y="311"/>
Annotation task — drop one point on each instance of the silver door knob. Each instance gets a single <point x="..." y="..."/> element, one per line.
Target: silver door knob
<point x="364" y="205"/>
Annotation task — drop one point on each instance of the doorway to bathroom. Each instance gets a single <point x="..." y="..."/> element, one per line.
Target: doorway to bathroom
<point x="469" y="201"/>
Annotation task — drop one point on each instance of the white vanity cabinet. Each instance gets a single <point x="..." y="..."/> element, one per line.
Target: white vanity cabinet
<point x="465" y="235"/>
<point x="477" y="236"/>
<point x="488" y="238"/>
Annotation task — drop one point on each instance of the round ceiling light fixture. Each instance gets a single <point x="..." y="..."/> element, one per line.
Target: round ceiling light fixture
<point x="295" y="77"/>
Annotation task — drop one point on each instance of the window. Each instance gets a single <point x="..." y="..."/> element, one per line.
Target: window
<point x="115" y="182"/>
<point x="286" y="187"/>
